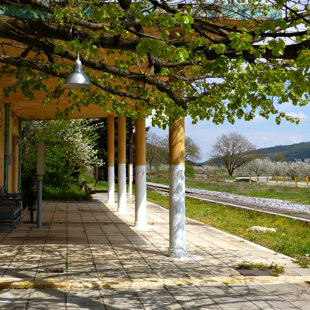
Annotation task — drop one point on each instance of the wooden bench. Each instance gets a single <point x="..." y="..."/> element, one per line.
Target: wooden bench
<point x="10" y="208"/>
<point x="10" y="213"/>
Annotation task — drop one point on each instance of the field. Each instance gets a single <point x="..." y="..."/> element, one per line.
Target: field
<point x="296" y="194"/>
<point x="291" y="237"/>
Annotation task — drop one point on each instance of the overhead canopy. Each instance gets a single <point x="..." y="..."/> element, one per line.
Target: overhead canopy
<point x="212" y="62"/>
<point x="30" y="109"/>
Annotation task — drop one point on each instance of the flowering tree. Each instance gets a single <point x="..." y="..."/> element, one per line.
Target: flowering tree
<point x="265" y="166"/>
<point x="278" y="168"/>
<point x="69" y="150"/>
<point x="297" y="168"/>
<point x="217" y="61"/>
<point x="259" y="167"/>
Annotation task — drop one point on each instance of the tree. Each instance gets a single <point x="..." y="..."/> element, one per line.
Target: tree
<point x="279" y="157"/>
<point x="69" y="150"/>
<point x="213" y="61"/>
<point x="233" y="150"/>
<point x="297" y="168"/>
<point x="192" y="150"/>
<point x="156" y="151"/>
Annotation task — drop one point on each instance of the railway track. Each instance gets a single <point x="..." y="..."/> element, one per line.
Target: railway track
<point x="237" y="204"/>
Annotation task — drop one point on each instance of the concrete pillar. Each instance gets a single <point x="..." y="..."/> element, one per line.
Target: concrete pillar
<point x="7" y="156"/>
<point x="130" y="163"/>
<point x="111" y="170"/>
<point x="14" y="155"/>
<point x="140" y="201"/>
<point x="2" y="142"/>
<point x="11" y="159"/>
<point x="121" y="142"/>
<point x="19" y="156"/>
<point x="39" y="201"/>
<point x="177" y="244"/>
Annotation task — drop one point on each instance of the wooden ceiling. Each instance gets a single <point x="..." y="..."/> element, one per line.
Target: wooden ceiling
<point x="33" y="109"/>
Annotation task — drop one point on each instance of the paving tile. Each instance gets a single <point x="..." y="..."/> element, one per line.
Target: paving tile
<point x="84" y="299"/>
<point x="158" y="298"/>
<point x="46" y="299"/>
<point x="13" y="299"/>
<point x="93" y="244"/>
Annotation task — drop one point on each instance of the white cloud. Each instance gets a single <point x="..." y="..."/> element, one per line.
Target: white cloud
<point x="295" y="139"/>
<point x="148" y="121"/>
<point x="265" y="138"/>
<point x="300" y="115"/>
<point x="258" y="119"/>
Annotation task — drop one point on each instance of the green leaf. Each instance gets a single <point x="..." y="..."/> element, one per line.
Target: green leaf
<point x="58" y="49"/>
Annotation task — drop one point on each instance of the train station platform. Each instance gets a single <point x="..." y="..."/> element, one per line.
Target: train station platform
<point x="86" y="256"/>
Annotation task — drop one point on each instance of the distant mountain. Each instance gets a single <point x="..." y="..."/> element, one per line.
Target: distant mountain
<point x="290" y="152"/>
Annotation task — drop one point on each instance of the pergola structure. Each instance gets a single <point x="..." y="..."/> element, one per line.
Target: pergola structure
<point x="17" y="108"/>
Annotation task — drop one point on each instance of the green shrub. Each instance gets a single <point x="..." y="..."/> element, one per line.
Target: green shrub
<point x="189" y="170"/>
<point x="73" y="193"/>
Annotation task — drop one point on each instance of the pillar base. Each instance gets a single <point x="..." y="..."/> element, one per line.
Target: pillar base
<point x="140" y="199"/>
<point x="111" y="184"/>
<point x="177" y="243"/>
<point x="177" y="253"/>
<point x="130" y="181"/>
<point x="122" y="206"/>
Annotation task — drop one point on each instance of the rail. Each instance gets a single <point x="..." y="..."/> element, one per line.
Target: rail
<point x="192" y="193"/>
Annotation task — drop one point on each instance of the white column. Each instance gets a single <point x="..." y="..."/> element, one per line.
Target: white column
<point x="140" y="156"/>
<point x="177" y="242"/>
<point x="111" y="169"/>
<point x="121" y="142"/>
<point x="111" y="184"/>
<point x="130" y="181"/>
<point x="130" y="161"/>
<point x="122" y="206"/>
<point x="140" y="202"/>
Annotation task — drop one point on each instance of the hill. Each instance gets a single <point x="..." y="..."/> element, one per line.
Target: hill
<point x="290" y="152"/>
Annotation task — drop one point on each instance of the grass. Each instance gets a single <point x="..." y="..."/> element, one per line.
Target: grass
<point x="291" y="237"/>
<point x="275" y="269"/>
<point x="73" y="193"/>
<point x="296" y="194"/>
<point x="100" y="186"/>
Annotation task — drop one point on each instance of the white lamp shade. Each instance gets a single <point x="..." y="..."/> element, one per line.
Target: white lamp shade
<point x="77" y="78"/>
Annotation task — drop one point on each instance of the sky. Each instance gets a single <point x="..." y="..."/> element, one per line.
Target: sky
<point x="261" y="132"/>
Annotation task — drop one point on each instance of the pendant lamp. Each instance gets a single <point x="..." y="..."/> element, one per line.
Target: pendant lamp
<point x="77" y="78"/>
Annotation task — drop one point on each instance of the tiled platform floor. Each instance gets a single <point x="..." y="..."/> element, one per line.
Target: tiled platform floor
<point x="88" y="257"/>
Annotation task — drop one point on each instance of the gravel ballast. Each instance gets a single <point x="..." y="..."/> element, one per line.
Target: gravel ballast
<point x="275" y="203"/>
